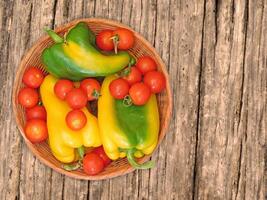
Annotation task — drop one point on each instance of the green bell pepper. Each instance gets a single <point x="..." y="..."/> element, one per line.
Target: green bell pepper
<point x="130" y="131"/>
<point x="76" y="57"/>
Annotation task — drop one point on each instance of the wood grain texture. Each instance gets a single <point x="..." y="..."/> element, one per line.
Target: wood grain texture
<point x="217" y="59"/>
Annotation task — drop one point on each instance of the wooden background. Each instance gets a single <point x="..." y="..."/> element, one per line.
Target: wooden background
<point x="216" y="53"/>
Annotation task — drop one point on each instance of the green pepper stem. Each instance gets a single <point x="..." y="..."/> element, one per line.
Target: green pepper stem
<point x="132" y="161"/>
<point x="54" y="36"/>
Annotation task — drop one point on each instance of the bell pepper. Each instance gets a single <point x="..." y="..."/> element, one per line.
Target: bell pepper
<point x="62" y="140"/>
<point x="75" y="57"/>
<point x="130" y="131"/>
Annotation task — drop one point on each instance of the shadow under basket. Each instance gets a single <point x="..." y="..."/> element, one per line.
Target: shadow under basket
<point x="33" y="58"/>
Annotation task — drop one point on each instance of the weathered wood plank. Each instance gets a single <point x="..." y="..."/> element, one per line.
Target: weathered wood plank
<point x="9" y="155"/>
<point x="229" y="112"/>
<point x="221" y="93"/>
<point x="31" y="20"/>
<point x="251" y="180"/>
<point x="177" y="153"/>
<point x="19" y="37"/>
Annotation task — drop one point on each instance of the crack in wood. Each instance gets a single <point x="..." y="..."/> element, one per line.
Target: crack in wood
<point x="170" y="36"/>
<point x="243" y="64"/>
<point x="216" y="10"/>
<point x="63" y="189"/>
<point x="54" y="13"/>
<point x="29" y="19"/>
<point x="155" y="28"/>
<point x="194" y="182"/>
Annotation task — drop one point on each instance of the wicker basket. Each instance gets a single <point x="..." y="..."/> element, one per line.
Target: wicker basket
<point x="32" y="58"/>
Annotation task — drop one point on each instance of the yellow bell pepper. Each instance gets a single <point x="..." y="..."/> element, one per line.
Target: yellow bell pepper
<point x="62" y="139"/>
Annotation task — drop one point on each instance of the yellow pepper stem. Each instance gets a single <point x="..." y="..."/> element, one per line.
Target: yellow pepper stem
<point x="78" y="165"/>
<point x="132" y="161"/>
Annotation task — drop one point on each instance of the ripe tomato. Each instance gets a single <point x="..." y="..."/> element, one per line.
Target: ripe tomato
<point x="119" y="88"/>
<point x="33" y="77"/>
<point x="76" y="98"/>
<point x="146" y="64"/>
<point x="91" y="87"/>
<point x="155" y="80"/>
<point x="36" y="130"/>
<point x="28" y="97"/>
<point x="139" y="93"/>
<point x="36" y="112"/>
<point x="134" y="76"/>
<point x="125" y="38"/>
<point x="62" y="88"/>
<point x="101" y="153"/>
<point x="76" y="120"/>
<point x="104" y="40"/>
<point x="92" y="164"/>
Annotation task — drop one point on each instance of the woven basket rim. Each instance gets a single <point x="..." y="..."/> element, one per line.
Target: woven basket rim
<point x="32" y="147"/>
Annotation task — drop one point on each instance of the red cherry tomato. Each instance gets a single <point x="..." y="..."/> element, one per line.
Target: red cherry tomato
<point x="92" y="164"/>
<point x="134" y="76"/>
<point x="36" y="130"/>
<point x="101" y="153"/>
<point x="104" y="40"/>
<point x="139" y="93"/>
<point x="119" y="88"/>
<point x="36" y="112"/>
<point x="76" y="98"/>
<point x="28" y="97"/>
<point x="91" y="87"/>
<point x="76" y="120"/>
<point x="146" y="64"/>
<point x="155" y="80"/>
<point x="126" y="38"/>
<point x="62" y="88"/>
<point x="33" y="77"/>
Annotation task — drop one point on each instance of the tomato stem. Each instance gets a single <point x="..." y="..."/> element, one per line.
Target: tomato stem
<point x="127" y="101"/>
<point x="132" y="61"/>
<point x="96" y="94"/>
<point x="116" y="41"/>
<point x="125" y="72"/>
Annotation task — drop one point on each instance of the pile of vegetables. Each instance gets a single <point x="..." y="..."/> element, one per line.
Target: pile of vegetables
<point x="57" y="104"/>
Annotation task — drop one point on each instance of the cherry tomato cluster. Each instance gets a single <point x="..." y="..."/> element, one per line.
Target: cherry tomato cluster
<point x="130" y="85"/>
<point x="35" y="127"/>
<point x="120" y="38"/>
<point x="77" y="98"/>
